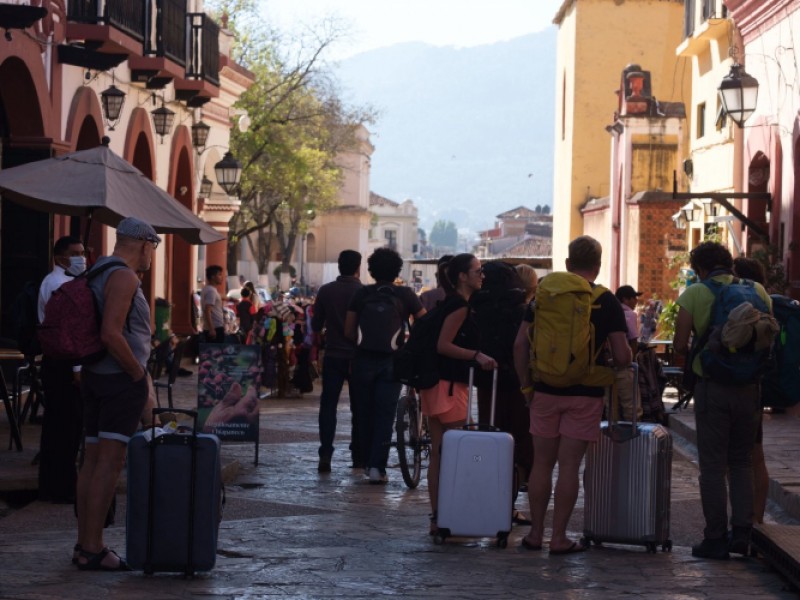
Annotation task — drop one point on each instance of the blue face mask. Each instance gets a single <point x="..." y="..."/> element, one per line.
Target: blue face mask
<point x="77" y="265"/>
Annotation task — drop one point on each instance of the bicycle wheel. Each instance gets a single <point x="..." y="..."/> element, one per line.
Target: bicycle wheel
<point x="409" y="449"/>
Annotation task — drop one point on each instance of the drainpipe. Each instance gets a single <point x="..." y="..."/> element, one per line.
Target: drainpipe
<point x="615" y="198"/>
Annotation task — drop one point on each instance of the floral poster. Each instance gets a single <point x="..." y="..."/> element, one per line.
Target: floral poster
<point x="227" y="391"/>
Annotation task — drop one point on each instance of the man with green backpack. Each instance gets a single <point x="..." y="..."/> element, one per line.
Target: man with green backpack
<point x="573" y="330"/>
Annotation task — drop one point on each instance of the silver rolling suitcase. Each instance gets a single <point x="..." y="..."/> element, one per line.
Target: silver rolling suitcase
<point x="627" y="482"/>
<point x="476" y="480"/>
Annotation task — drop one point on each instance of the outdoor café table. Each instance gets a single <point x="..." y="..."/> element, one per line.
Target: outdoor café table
<point x="8" y="354"/>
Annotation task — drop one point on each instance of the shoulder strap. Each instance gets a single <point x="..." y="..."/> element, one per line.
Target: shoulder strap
<point x="96" y="271"/>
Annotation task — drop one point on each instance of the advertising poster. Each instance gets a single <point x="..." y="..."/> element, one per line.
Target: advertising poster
<point x="227" y="391"/>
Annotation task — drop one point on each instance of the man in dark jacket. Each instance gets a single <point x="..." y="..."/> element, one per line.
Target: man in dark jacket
<point x="329" y="313"/>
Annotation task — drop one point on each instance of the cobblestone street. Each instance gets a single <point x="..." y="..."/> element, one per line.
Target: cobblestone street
<point x="289" y="532"/>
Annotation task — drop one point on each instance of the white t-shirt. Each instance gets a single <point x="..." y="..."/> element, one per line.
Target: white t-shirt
<point x="210" y="296"/>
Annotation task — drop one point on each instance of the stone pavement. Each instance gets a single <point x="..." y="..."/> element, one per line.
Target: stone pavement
<point x="289" y="532"/>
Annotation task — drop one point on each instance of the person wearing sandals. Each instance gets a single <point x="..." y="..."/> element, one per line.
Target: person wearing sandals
<point x="115" y="389"/>
<point x="445" y="404"/>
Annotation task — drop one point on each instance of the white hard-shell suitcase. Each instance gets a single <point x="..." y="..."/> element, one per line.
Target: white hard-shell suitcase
<point x="476" y="480"/>
<point x="627" y="482"/>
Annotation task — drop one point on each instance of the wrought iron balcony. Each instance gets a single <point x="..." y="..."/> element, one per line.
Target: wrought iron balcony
<point x="125" y="15"/>
<point x="168" y="39"/>
<point x="203" y="48"/>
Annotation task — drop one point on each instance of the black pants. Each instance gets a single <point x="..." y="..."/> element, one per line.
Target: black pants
<point x="61" y="432"/>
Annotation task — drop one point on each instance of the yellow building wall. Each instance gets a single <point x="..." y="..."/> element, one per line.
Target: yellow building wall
<point x="597" y="39"/>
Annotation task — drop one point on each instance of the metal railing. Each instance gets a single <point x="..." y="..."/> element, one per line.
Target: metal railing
<point x="125" y="15"/>
<point x="202" y="55"/>
<point x="172" y="34"/>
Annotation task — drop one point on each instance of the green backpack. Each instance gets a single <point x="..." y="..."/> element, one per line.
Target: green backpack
<point x="563" y="349"/>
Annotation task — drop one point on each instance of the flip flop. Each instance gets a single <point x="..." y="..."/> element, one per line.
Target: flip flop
<point x="574" y="548"/>
<point x="76" y="553"/>
<point x="524" y="543"/>
<point x="520" y="519"/>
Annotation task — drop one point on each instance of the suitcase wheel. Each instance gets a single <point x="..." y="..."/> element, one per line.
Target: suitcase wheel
<point x="502" y="541"/>
<point x="440" y="536"/>
<point x="667" y="546"/>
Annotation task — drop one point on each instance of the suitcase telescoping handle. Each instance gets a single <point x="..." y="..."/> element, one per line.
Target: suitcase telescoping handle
<point x="617" y="430"/>
<point x="480" y="426"/>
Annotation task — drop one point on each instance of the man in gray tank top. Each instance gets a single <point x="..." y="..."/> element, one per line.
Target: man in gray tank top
<point x="115" y="389"/>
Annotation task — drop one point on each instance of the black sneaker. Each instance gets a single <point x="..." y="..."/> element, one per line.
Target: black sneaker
<point x="324" y="465"/>
<point x="717" y="549"/>
<point x="739" y="540"/>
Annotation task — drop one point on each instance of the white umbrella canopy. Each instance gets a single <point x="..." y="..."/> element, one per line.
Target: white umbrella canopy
<point x="101" y="185"/>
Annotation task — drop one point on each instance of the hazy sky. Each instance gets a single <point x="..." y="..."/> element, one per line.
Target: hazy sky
<point x="378" y="23"/>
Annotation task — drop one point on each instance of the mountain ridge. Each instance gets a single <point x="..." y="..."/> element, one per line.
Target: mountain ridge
<point x="466" y="133"/>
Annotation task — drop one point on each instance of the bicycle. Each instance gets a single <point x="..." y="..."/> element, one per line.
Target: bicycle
<point x="413" y="439"/>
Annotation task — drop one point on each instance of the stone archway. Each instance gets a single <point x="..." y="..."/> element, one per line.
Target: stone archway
<point x="84" y="131"/>
<point x="138" y="151"/>
<point x="181" y="256"/>
<point x="758" y="177"/>
<point x="24" y="233"/>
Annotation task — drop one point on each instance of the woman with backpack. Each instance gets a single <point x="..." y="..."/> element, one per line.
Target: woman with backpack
<point x="445" y="404"/>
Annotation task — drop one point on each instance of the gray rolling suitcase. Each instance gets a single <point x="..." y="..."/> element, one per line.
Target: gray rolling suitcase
<point x="476" y="480"/>
<point x="175" y="498"/>
<point x="627" y="482"/>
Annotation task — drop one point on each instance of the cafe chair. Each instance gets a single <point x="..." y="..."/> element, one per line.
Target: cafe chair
<point x="171" y="369"/>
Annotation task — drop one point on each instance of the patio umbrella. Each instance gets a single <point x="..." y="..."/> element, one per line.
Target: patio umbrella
<point x="100" y="185"/>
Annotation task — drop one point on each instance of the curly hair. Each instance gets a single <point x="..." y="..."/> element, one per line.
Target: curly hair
<point x="384" y="264"/>
<point x="708" y="256"/>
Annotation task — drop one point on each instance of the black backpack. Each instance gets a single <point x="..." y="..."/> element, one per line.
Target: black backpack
<point x="25" y="319"/>
<point x="416" y="364"/>
<point x="381" y="320"/>
<point x="780" y="387"/>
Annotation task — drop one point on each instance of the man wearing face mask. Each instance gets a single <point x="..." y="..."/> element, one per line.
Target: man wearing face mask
<point x="63" y="414"/>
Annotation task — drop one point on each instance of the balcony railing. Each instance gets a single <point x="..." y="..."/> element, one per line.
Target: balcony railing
<point x="166" y="31"/>
<point x="125" y="15"/>
<point x="203" y="48"/>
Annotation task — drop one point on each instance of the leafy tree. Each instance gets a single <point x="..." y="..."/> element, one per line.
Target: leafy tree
<point x="298" y="125"/>
<point x="538" y="209"/>
<point x="546" y="209"/>
<point x="444" y="233"/>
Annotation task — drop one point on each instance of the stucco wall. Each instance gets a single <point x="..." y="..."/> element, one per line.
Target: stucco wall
<point x="611" y="35"/>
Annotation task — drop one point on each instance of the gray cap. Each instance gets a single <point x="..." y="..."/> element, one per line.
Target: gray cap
<point x="137" y="230"/>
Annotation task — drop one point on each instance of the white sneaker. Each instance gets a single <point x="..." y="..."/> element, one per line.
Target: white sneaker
<point x="375" y="476"/>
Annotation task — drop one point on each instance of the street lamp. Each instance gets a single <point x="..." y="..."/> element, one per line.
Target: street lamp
<point x="228" y="172"/>
<point x="200" y="135"/>
<point x="205" y="188"/>
<point x="162" y="120"/>
<point x="112" y="100"/>
<point x="690" y="212"/>
<point x="739" y="94"/>
<point x="680" y="222"/>
<point x="709" y="207"/>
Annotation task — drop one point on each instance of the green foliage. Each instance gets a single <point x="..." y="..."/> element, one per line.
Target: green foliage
<point x="298" y="127"/>
<point x="667" y="319"/>
<point x="444" y="234"/>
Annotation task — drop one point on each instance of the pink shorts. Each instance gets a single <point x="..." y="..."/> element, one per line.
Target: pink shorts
<point x="439" y="403"/>
<point x="576" y="417"/>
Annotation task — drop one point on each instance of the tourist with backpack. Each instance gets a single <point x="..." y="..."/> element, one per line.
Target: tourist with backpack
<point x="726" y="392"/>
<point x="498" y="307"/>
<point x="62" y="423"/>
<point x="116" y="388"/>
<point x="457" y="346"/>
<point x="376" y="322"/>
<point x="571" y="324"/>
<point x="750" y="268"/>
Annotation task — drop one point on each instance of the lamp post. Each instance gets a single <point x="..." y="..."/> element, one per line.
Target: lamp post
<point x="205" y="188"/>
<point x="739" y="94"/>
